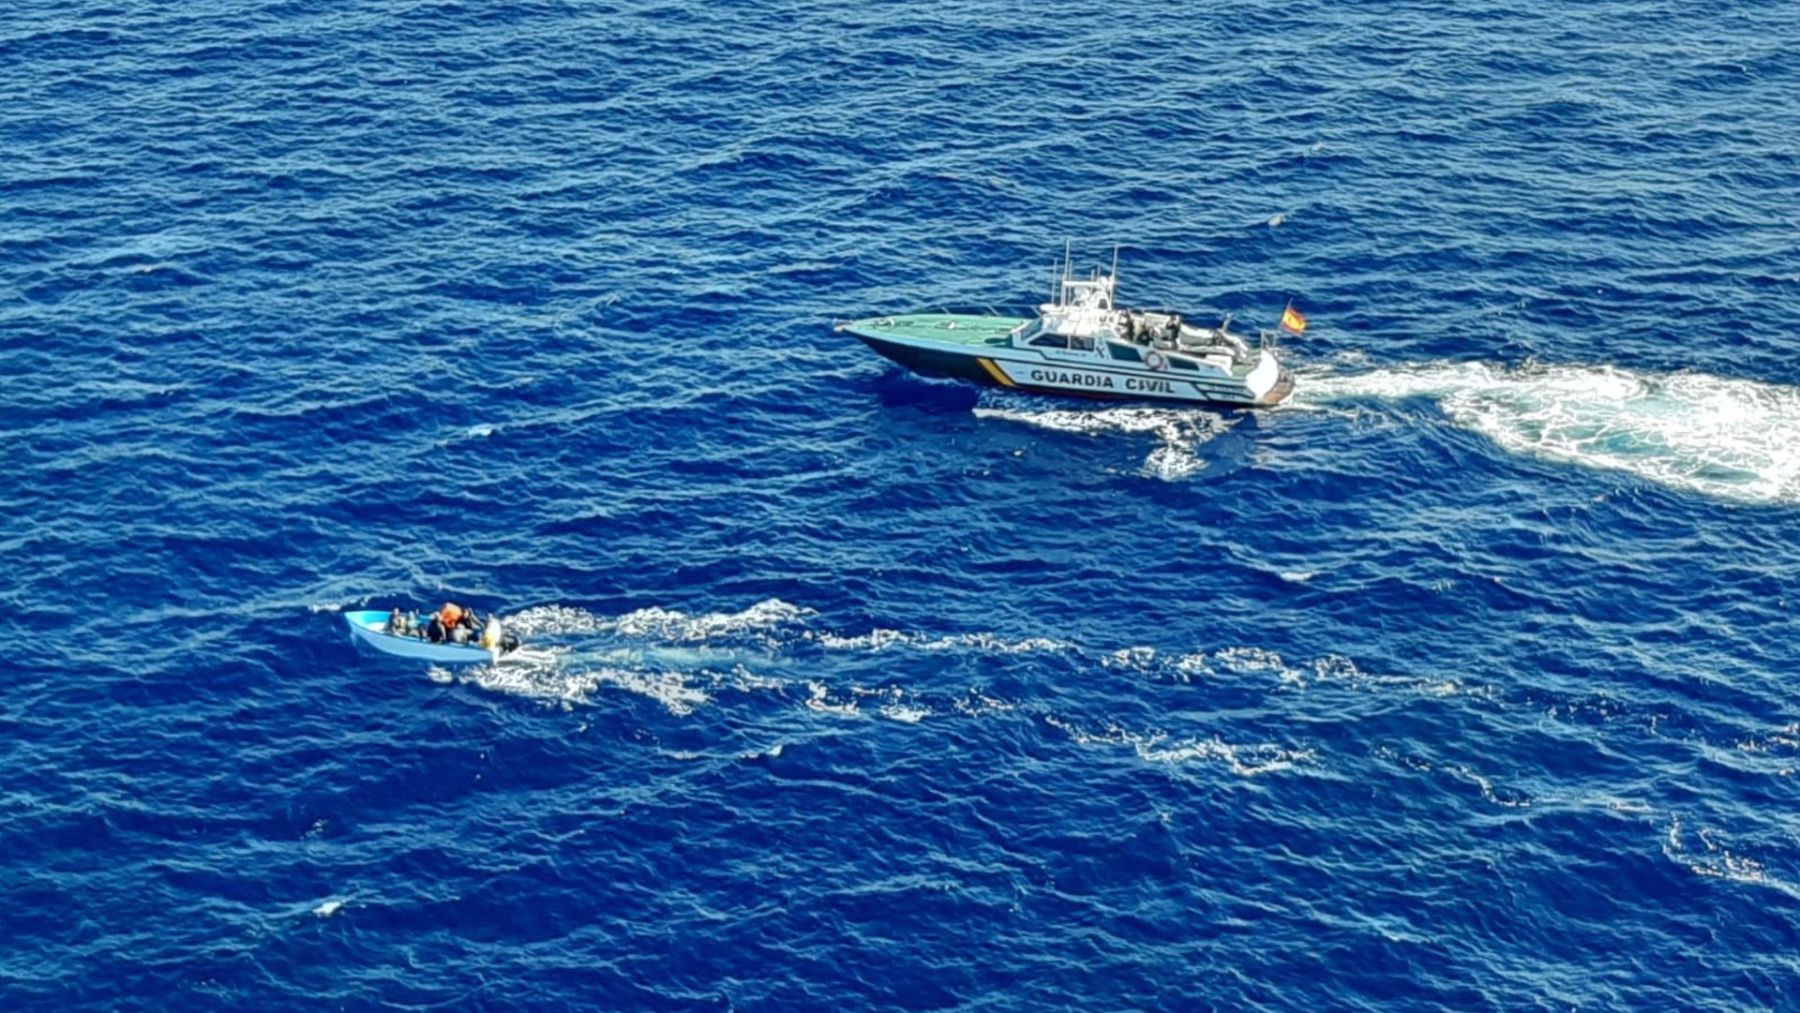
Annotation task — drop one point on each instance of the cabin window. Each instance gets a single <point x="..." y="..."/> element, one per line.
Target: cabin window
<point x="1081" y="344"/>
<point x="1050" y="341"/>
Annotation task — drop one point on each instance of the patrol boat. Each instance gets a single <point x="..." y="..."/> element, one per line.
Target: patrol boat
<point x="1082" y="344"/>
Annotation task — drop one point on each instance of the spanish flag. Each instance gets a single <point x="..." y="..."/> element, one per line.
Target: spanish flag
<point x="1292" y="320"/>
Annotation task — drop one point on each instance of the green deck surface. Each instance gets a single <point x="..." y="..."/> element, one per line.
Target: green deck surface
<point x="957" y="328"/>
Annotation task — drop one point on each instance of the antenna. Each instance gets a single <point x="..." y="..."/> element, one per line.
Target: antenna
<point x="1068" y="247"/>
<point x="1112" y="283"/>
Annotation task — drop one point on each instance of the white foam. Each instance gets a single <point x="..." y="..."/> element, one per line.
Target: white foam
<point x="882" y="639"/>
<point x="1780" y="747"/>
<point x="666" y="624"/>
<point x="1180" y="430"/>
<point x="819" y="699"/>
<point x="1715" y="860"/>
<point x="1729" y="438"/>
<point x="910" y="714"/>
<point x="978" y="704"/>
<point x="1254" y="659"/>
<point x="1242" y="759"/>
<point x="1331" y="669"/>
<point x="552" y="620"/>
<point x="895" y="708"/>
<point x="872" y="641"/>
<point x="1137" y="659"/>
<point x="328" y="908"/>
<point x="671" y="689"/>
<point x="1485" y="784"/>
<point x="677" y="691"/>
<point x="659" y="623"/>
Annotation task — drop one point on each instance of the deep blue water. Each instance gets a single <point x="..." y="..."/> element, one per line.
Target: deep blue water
<point x="1467" y="680"/>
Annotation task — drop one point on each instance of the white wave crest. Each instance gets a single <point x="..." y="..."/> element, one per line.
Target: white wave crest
<point x="1727" y="438"/>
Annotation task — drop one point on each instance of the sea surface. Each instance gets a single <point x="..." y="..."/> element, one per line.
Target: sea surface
<point x="1469" y="679"/>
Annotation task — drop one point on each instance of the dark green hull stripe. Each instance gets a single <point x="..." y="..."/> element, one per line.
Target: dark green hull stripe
<point x="931" y="362"/>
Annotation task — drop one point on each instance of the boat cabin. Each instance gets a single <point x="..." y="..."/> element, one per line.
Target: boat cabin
<point x="1083" y="319"/>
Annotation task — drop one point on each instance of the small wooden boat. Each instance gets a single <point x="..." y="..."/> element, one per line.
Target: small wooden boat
<point x="371" y="627"/>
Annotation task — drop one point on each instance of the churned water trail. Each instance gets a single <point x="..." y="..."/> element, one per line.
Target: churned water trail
<point x="1728" y="438"/>
<point x="1179" y="432"/>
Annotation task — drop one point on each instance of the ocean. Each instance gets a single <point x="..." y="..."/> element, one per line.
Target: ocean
<point x="1465" y="680"/>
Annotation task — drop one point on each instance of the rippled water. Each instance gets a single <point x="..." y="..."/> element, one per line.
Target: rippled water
<point x="1464" y="680"/>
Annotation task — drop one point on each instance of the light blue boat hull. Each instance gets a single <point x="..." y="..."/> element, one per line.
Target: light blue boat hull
<point x="371" y="629"/>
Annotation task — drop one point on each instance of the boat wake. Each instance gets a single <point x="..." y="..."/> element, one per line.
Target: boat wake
<point x="1726" y="438"/>
<point x="771" y="653"/>
<point x="1179" y="431"/>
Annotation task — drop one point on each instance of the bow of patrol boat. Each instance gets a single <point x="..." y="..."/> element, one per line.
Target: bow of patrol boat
<point x="938" y="344"/>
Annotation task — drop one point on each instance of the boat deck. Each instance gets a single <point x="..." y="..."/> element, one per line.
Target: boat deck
<point x="958" y="328"/>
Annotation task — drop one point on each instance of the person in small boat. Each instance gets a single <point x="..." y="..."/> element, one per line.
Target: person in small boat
<point x="444" y="622"/>
<point x="467" y="629"/>
<point x="494" y="636"/>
